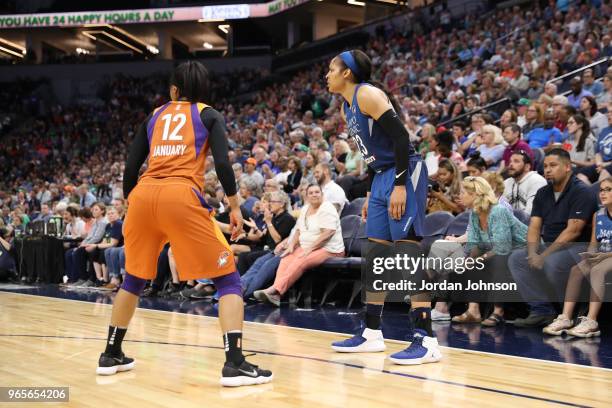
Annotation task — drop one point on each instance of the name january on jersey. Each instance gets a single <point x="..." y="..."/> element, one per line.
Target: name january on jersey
<point x="169" y="150"/>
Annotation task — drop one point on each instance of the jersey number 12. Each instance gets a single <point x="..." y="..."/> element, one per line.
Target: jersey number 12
<point x="180" y="118"/>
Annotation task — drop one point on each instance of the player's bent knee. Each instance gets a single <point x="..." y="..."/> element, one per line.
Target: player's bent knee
<point x="133" y="284"/>
<point x="228" y="284"/>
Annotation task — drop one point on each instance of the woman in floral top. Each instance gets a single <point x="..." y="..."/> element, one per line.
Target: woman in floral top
<point x="492" y="234"/>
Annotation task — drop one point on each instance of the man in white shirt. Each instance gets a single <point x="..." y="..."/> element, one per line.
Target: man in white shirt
<point x="250" y="166"/>
<point x="332" y="192"/>
<point x="521" y="187"/>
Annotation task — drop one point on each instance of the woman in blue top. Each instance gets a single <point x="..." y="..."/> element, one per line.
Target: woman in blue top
<point x="596" y="263"/>
<point x="493" y="233"/>
<point x="396" y="199"/>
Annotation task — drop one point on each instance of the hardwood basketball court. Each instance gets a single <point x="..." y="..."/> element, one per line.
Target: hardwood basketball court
<point x="56" y="342"/>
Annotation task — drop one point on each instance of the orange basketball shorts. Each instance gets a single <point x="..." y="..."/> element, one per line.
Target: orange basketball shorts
<point x="172" y="210"/>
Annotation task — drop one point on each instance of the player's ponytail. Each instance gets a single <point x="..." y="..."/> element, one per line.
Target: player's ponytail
<point x="362" y="71"/>
<point x="191" y="79"/>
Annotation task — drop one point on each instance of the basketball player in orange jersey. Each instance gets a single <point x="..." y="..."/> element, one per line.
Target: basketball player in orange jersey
<point x="166" y="205"/>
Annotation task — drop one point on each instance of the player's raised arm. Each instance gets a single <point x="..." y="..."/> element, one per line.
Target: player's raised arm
<point x="217" y="140"/>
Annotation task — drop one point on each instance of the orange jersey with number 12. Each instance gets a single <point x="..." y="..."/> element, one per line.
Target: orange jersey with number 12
<point x="178" y="141"/>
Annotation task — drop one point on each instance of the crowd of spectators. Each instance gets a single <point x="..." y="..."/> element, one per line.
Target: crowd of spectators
<point x="290" y="136"/>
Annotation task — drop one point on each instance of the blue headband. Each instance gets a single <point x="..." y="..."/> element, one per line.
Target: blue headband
<point x="349" y="61"/>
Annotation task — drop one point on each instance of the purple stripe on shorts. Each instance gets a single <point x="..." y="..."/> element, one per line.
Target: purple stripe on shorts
<point x="202" y="200"/>
<point x="151" y="124"/>
<point x="201" y="133"/>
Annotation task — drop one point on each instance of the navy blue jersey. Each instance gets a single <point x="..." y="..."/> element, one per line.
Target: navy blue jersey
<point x="375" y="145"/>
<point x="603" y="230"/>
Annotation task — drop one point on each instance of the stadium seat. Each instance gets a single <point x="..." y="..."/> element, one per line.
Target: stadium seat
<point x="353" y="208"/>
<point x="522" y="216"/>
<point x="437" y="222"/>
<point x="435" y="227"/>
<point x="458" y="226"/>
<point x="346" y="269"/>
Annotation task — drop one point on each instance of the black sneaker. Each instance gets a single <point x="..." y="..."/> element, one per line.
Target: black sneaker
<point x="246" y="374"/>
<point x="109" y="365"/>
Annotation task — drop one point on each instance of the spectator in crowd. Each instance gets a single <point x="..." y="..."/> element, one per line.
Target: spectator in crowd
<point x="544" y="135"/>
<point x="317" y="237"/>
<point x="17" y="224"/>
<point x="596" y="263"/>
<point x="119" y="204"/>
<point x="86" y="215"/>
<point x="577" y="93"/>
<point x="295" y="176"/>
<point x="602" y="168"/>
<point x="74" y="227"/>
<point x="492" y="147"/>
<point x="76" y="258"/>
<point x="589" y="83"/>
<point x="33" y="203"/>
<point x="550" y="89"/>
<point x="112" y="238"/>
<point x="470" y="145"/>
<point x="310" y="162"/>
<point x="258" y="268"/>
<point x="476" y="165"/>
<point x="493" y="233"/>
<point x="250" y="166"/>
<point x="354" y="171"/>
<point x="522" y="185"/>
<point x="86" y="198"/>
<point x="332" y="192"/>
<point x="248" y="193"/>
<point x="560" y="214"/>
<point x="514" y="143"/>
<point x="523" y="105"/>
<point x="45" y="213"/>
<point x="534" y="118"/>
<point x="271" y="185"/>
<point x="508" y="117"/>
<point x="535" y="88"/>
<point x="581" y="140"/>
<point x="442" y="145"/>
<point x="445" y="194"/>
<point x="496" y="182"/>
<point x="597" y="120"/>
<point x="559" y="105"/>
<point x="263" y="235"/>
<point x="427" y="133"/>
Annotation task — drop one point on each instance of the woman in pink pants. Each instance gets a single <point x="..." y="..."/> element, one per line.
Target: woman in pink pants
<point x="316" y="237"/>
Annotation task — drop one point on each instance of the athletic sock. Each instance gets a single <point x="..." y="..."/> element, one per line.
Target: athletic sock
<point x="233" y="347"/>
<point x="373" y="314"/>
<point x="114" y="340"/>
<point x="421" y="318"/>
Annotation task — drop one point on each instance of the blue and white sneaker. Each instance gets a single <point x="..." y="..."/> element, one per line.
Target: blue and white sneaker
<point x="423" y="349"/>
<point x="369" y="341"/>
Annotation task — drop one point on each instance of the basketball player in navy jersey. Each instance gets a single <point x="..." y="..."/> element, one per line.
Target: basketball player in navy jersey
<point x="396" y="200"/>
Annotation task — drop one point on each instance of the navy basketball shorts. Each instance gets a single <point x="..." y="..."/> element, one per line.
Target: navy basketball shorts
<point x="379" y="223"/>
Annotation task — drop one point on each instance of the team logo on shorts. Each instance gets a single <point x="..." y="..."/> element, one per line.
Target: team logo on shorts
<point x="223" y="258"/>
